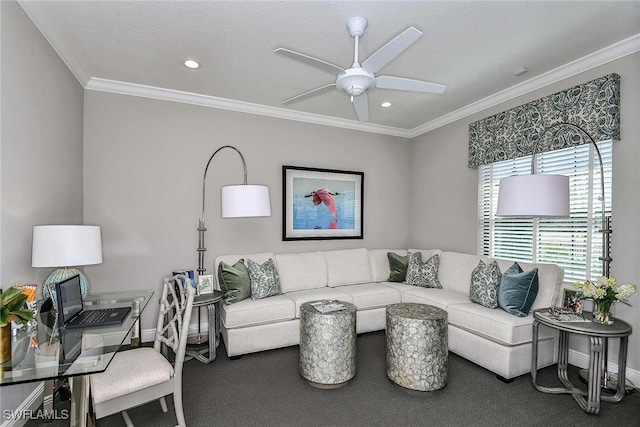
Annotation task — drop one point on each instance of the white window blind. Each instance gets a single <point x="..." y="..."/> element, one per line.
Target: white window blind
<point x="574" y="243"/>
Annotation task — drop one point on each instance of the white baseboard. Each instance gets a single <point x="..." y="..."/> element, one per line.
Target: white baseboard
<point x="581" y="360"/>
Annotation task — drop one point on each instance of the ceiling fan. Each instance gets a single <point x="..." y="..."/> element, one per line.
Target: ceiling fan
<point x="357" y="80"/>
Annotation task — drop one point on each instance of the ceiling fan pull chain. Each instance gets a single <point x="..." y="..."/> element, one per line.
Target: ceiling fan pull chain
<point x="352" y="96"/>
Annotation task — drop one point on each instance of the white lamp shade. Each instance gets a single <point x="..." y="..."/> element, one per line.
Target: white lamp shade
<point x="534" y="196"/>
<point x="245" y="201"/>
<point x="66" y="245"/>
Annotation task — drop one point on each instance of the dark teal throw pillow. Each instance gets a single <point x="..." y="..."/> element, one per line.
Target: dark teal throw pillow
<point x="518" y="290"/>
<point x="398" y="265"/>
<point x="234" y="281"/>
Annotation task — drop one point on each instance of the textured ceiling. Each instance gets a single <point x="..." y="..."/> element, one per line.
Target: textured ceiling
<point x="472" y="47"/>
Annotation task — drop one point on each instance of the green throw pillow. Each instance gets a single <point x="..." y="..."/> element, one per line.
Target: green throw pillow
<point x="485" y="281"/>
<point x="234" y="281"/>
<point x="264" y="279"/>
<point x="518" y="290"/>
<point x="398" y="266"/>
<point x="424" y="274"/>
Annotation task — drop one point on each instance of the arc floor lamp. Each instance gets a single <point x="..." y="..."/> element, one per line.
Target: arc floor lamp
<point x="539" y="196"/>
<point x="236" y="201"/>
<point x="536" y="196"/>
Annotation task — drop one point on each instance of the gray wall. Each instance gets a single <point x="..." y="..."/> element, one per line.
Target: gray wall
<point x="143" y="165"/>
<point x="446" y="217"/>
<point x="41" y="152"/>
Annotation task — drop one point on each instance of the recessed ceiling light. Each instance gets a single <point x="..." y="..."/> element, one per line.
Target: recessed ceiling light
<point x="385" y="105"/>
<point x="191" y="63"/>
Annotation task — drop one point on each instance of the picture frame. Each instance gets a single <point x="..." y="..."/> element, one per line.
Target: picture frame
<point x="321" y="204"/>
<point x="572" y="300"/>
<point x="205" y="284"/>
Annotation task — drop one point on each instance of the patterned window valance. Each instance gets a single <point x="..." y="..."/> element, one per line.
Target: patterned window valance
<point x="594" y="106"/>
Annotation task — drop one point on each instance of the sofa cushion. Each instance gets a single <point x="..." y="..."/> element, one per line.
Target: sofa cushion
<point x="301" y="271"/>
<point x="518" y="290"/>
<point x="440" y="298"/>
<point x="232" y="259"/>
<point x="421" y="273"/>
<point x="455" y="270"/>
<point x="264" y="279"/>
<point x="485" y="280"/>
<point x="234" y="281"/>
<point x="251" y="312"/>
<point x="398" y="267"/>
<point x="496" y="325"/>
<point x="348" y="267"/>
<point x="372" y="295"/>
<point x="399" y="286"/>
<point x="300" y="297"/>
<point x="380" y="263"/>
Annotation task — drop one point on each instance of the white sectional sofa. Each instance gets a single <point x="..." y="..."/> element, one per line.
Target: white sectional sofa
<point x="491" y="338"/>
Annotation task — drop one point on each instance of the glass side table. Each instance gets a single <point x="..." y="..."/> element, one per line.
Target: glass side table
<point x="205" y="350"/>
<point x="597" y="334"/>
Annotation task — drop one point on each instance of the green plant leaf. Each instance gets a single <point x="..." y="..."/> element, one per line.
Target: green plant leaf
<point x="12" y="302"/>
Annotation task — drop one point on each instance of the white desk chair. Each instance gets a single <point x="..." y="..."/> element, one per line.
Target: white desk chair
<point x="138" y="376"/>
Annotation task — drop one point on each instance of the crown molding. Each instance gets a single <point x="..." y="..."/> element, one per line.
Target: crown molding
<point x="143" y="91"/>
<point x="618" y="50"/>
<point x="610" y="53"/>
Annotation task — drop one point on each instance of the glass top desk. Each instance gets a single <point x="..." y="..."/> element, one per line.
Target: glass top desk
<point x="44" y="352"/>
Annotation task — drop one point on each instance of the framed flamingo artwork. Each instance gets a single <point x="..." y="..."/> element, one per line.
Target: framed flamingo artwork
<point x="321" y="204"/>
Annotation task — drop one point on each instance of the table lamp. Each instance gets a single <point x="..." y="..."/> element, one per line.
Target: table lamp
<point x="66" y="246"/>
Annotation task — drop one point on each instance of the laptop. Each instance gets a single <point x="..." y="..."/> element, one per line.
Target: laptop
<point x="71" y="310"/>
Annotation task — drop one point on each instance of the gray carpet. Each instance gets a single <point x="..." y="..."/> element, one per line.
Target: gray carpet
<point x="265" y="389"/>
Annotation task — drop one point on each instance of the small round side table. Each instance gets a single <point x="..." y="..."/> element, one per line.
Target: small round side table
<point x="205" y="350"/>
<point x="328" y="345"/>
<point x="597" y="334"/>
<point x="417" y="346"/>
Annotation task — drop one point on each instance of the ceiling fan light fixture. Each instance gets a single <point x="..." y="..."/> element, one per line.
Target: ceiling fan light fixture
<point x="355" y="81"/>
<point x="191" y="63"/>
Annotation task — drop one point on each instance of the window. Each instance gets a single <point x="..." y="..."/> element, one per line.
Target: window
<point x="574" y="243"/>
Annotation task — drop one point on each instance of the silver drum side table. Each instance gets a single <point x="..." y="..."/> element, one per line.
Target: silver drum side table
<point x="597" y="334"/>
<point x="328" y="345"/>
<point x="417" y="346"/>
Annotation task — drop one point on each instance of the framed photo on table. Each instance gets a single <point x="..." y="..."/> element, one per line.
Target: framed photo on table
<point x="572" y="300"/>
<point x="321" y="204"/>
<point x="205" y="284"/>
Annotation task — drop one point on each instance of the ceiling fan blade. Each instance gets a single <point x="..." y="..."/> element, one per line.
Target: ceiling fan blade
<point x="389" y="51"/>
<point x="318" y="63"/>
<point x="400" y="83"/>
<point x="361" y="105"/>
<point x="313" y="92"/>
